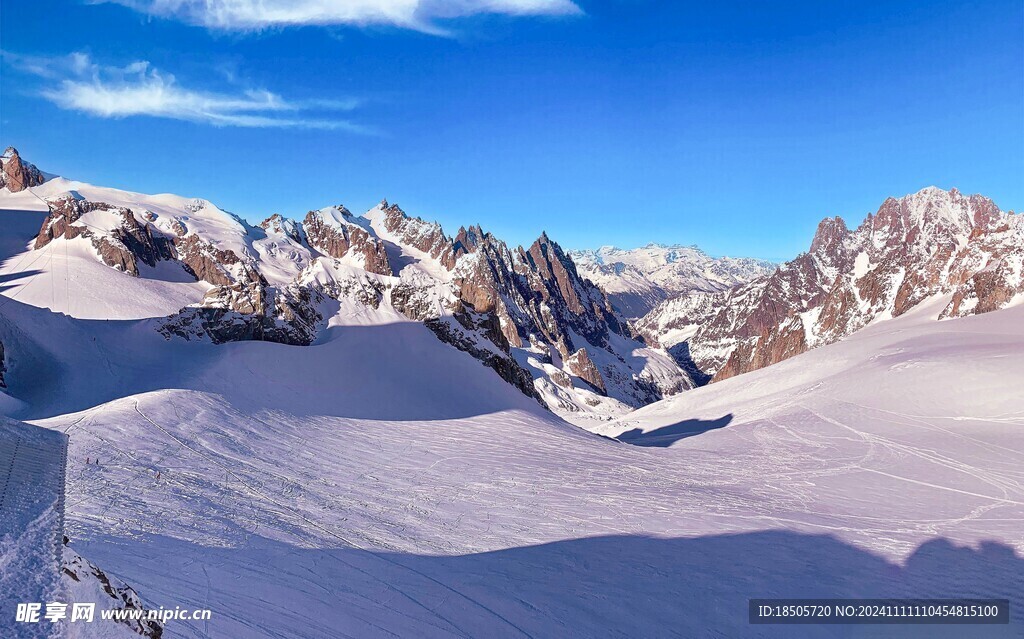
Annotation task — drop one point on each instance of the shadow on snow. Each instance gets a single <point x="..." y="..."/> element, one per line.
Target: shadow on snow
<point x="594" y="587"/>
<point x="667" y="435"/>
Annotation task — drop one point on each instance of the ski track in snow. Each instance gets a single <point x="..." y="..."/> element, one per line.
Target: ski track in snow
<point x="399" y="490"/>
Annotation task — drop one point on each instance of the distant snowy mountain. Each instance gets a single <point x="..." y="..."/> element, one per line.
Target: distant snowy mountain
<point x="524" y="312"/>
<point x="636" y="280"/>
<point x="928" y="244"/>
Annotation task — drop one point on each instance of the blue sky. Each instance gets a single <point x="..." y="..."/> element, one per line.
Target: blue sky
<point x="732" y="125"/>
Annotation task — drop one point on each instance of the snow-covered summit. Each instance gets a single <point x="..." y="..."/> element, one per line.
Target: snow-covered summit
<point x="638" y="279"/>
<point x="16" y="175"/>
<point x="926" y="244"/>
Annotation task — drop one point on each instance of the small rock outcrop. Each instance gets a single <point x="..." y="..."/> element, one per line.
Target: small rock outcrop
<point x="580" y="364"/>
<point x="92" y="585"/>
<point x="250" y="310"/>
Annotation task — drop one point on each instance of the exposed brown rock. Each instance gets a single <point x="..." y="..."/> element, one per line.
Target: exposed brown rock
<point x="467" y="240"/>
<point x="562" y="379"/>
<point x="121" y="248"/>
<point x="831" y="240"/>
<point x="580" y="364"/>
<point x="250" y="311"/>
<point x="551" y="264"/>
<point x="415" y="232"/>
<point x="339" y="240"/>
<point x="206" y="262"/>
<point x="774" y="346"/>
<point x="17" y="175"/>
<point x="912" y="248"/>
<point x="840" y="312"/>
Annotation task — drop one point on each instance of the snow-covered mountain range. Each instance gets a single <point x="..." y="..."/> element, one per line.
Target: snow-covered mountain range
<point x="524" y="312"/>
<point x="312" y="428"/>
<point x="636" y="280"/>
<point x="914" y="248"/>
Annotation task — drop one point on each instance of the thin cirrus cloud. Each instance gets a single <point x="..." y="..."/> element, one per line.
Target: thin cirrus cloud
<point x="77" y="83"/>
<point x="420" y="15"/>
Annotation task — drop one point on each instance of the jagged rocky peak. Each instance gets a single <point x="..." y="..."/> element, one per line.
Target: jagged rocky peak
<point x="918" y="247"/>
<point x="511" y="309"/>
<point x="554" y="267"/>
<point x="930" y="216"/>
<point x="334" y="231"/>
<point x="532" y="299"/>
<point x="830" y="236"/>
<point x="468" y="240"/>
<point x="419" y="234"/>
<point x="16" y="174"/>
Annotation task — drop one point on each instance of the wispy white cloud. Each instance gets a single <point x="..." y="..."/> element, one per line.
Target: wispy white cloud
<point x="77" y="83"/>
<point x="254" y="15"/>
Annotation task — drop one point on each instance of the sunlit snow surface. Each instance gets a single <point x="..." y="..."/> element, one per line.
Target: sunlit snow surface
<point x="889" y="464"/>
<point x="380" y="483"/>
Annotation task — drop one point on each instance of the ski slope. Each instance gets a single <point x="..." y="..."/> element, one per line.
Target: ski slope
<point x="885" y="465"/>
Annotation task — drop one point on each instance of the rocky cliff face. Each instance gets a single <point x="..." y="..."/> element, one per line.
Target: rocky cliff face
<point x="931" y="243"/>
<point x="533" y="305"/>
<point x="122" y="243"/>
<point x="17" y="175"/>
<point x="250" y="311"/>
<point x="534" y="291"/>
<point x="426" y="237"/>
<point x="987" y="271"/>
<point x="336" y="232"/>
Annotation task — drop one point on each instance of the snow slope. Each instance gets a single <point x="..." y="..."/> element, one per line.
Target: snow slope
<point x="31" y="500"/>
<point x="908" y="428"/>
<point x="320" y="512"/>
